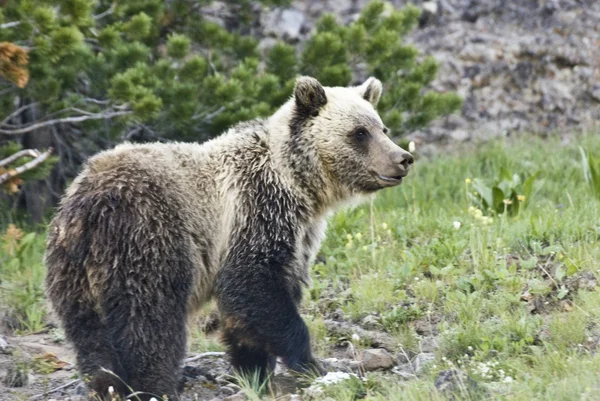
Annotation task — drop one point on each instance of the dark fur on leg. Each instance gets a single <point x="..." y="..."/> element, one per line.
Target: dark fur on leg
<point x="264" y="313"/>
<point x="248" y="359"/>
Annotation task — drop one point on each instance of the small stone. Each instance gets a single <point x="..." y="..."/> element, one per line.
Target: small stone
<point x="289" y="397"/>
<point x="430" y="7"/>
<point x="370" y="322"/>
<point x="376" y="359"/>
<point x="228" y="391"/>
<point x="5" y="348"/>
<point x="595" y="92"/>
<point x="282" y="384"/>
<point x="422" y="361"/>
<point x="236" y="397"/>
<point x="452" y="381"/>
<point x="405" y="371"/>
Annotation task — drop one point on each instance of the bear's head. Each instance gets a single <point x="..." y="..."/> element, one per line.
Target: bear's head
<point x="347" y="135"/>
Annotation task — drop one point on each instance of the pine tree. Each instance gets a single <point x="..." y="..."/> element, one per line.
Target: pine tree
<point x="153" y="70"/>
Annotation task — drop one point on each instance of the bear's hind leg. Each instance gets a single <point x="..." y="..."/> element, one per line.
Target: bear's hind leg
<point x="149" y="334"/>
<point x="96" y="355"/>
<point x="248" y="359"/>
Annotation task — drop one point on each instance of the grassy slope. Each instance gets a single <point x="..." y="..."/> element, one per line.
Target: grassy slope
<point x="407" y="262"/>
<point x="471" y="279"/>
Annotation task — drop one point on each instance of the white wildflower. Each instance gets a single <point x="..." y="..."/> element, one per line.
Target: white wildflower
<point x="457" y="225"/>
<point x="411" y="146"/>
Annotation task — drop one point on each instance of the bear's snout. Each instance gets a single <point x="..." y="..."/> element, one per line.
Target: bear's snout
<point x="403" y="160"/>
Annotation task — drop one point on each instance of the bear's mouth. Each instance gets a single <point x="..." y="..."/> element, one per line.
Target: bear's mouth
<point x="390" y="180"/>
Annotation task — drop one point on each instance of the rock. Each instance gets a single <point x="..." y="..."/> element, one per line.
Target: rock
<point x="370" y="322"/>
<point x="284" y="384"/>
<point x="405" y="371"/>
<point x="341" y="365"/>
<point x="289" y="397"/>
<point x="422" y="361"/>
<point x="453" y="382"/>
<point x="429" y="344"/>
<point x="372" y="338"/>
<point x="284" y="24"/>
<point x="595" y="92"/>
<point x="236" y="397"/>
<point x="5" y="348"/>
<point x="376" y="359"/>
<point x="228" y="391"/>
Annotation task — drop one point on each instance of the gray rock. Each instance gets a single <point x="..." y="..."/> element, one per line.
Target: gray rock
<point x="595" y="92"/>
<point x="405" y="371"/>
<point x="370" y="322"/>
<point x="284" y="384"/>
<point x="422" y="362"/>
<point x="455" y="382"/>
<point x="5" y="348"/>
<point x="341" y="365"/>
<point x="284" y="24"/>
<point x="376" y="359"/>
<point x="236" y="397"/>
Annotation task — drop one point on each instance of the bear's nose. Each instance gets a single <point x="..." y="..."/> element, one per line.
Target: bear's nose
<point x="407" y="160"/>
<point x="403" y="158"/>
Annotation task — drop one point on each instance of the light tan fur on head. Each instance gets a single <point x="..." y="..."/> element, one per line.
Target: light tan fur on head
<point x="345" y="137"/>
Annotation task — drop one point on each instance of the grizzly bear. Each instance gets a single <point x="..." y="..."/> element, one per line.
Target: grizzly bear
<point x="147" y="233"/>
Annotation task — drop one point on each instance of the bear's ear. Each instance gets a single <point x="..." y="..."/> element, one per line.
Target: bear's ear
<point x="371" y="90"/>
<point x="310" y="95"/>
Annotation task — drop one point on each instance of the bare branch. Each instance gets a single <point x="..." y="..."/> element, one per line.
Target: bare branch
<point x="18" y="155"/>
<point x="78" y="119"/>
<point x="27" y="166"/>
<point x="17" y="112"/>
<point x="10" y="24"/>
<point x="107" y="12"/>
<point x="54" y="390"/>
<point x="203" y="355"/>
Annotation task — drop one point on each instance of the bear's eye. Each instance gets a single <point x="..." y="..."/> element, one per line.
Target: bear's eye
<point x="361" y="134"/>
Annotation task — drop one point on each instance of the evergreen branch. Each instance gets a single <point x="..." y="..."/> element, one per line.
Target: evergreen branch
<point x="33" y="127"/>
<point x="27" y="166"/>
<point x="18" y="155"/>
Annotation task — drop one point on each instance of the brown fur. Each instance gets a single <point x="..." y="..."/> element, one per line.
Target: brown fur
<point x="147" y="233"/>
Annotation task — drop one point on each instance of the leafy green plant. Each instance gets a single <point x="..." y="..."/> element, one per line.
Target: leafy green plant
<point x="22" y="277"/>
<point x="509" y="193"/>
<point x="591" y="171"/>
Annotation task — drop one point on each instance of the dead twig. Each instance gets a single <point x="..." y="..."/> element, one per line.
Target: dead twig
<point x="54" y="390"/>
<point x="203" y="355"/>
<point x="39" y="159"/>
<point x="33" y="127"/>
<point x="22" y="153"/>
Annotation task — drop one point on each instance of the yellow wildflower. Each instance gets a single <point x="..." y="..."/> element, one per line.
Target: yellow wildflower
<point x="521" y="198"/>
<point x="467" y="180"/>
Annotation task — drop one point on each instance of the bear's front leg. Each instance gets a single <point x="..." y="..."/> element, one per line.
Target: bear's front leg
<point x="261" y="321"/>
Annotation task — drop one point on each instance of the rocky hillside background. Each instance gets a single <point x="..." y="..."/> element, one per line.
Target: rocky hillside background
<point x="521" y="65"/>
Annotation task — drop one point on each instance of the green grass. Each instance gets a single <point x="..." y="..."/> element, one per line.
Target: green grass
<point x="420" y="252"/>
<point x="471" y="278"/>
